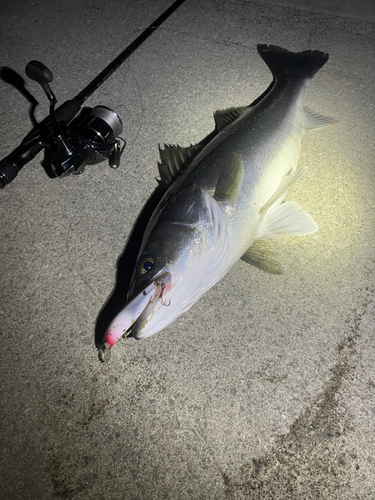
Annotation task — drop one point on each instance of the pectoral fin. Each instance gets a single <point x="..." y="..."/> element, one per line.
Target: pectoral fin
<point x="229" y="181"/>
<point x="260" y="256"/>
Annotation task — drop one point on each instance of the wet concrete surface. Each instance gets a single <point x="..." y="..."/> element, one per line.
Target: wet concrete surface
<point x="265" y="389"/>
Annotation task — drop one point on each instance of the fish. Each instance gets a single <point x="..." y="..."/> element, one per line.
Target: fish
<point x="224" y="198"/>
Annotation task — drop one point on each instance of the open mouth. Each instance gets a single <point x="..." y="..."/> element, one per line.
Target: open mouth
<point x="138" y="308"/>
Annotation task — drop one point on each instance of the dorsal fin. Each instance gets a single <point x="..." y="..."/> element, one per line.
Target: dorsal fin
<point x="174" y="161"/>
<point x="224" y="117"/>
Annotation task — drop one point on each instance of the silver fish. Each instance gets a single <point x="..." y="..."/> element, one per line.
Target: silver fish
<point x="224" y="198"/>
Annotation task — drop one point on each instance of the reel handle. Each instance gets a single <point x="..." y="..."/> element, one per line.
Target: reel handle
<point x="38" y="72"/>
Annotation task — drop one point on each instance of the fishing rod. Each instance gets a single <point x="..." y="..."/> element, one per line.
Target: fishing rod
<point x="70" y="146"/>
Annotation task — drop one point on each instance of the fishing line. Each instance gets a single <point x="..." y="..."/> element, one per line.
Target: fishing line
<point x="87" y="91"/>
<point x="128" y="149"/>
<point x="71" y="259"/>
<point x="329" y="22"/>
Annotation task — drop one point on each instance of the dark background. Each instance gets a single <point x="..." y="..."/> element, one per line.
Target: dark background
<point x="265" y="388"/>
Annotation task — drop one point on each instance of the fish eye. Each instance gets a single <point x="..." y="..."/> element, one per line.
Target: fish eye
<point x="146" y="265"/>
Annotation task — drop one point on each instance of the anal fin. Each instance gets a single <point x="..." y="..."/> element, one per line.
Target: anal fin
<point x="315" y="121"/>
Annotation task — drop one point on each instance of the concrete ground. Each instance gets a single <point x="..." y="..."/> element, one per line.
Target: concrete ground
<point x="265" y="389"/>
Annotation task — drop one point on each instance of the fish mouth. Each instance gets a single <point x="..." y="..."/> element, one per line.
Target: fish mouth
<point x="163" y="285"/>
<point x="139" y="306"/>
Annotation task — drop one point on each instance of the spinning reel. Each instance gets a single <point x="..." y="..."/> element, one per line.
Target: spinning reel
<point x="71" y="144"/>
<point x="93" y="141"/>
<point x="68" y="147"/>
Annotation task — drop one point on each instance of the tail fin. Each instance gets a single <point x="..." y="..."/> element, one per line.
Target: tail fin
<point x="282" y="62"/>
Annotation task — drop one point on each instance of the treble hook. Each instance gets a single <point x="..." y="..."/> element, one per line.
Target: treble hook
<point x="162" y="286"/>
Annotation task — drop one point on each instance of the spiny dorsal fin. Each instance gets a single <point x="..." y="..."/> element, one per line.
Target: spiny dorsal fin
<point x="260" y="256"/>
<point x="229" y="181"/>
<point x="174" y="161"/>
<point x="315" y="121"/>
<point x="224" y="117"/>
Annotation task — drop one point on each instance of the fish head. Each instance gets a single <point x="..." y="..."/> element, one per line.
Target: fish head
<point x="183" y="254"/>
